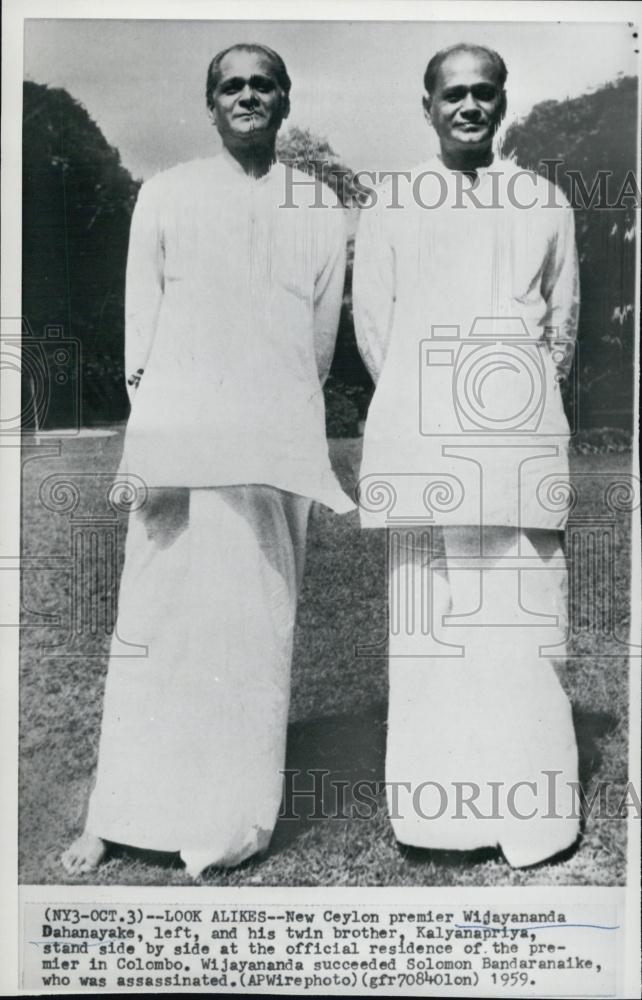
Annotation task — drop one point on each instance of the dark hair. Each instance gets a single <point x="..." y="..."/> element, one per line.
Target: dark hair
<point x="435" y="64"/>
<point x="214" y="69"/>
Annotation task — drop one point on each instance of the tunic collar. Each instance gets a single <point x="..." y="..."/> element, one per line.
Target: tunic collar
<point x="234" y="169"/>
<point x="496" y="166"/>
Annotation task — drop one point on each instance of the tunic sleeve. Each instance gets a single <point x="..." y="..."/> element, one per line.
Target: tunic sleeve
<point x="373" y="290"/>
<point x="560" y="288"/>
<point x="328" y="294"/>
<point x="144" y="286"/>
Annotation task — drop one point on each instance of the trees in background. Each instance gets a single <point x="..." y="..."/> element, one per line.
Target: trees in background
<point x="78" y="200"/>
<point x="587" y="145"/>
<point x="593" y="138"/>
<point x="315" y="156"/>
<point x="349" y="387"/>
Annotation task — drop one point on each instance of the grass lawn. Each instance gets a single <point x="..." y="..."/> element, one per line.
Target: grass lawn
<point x="338" y="706"/>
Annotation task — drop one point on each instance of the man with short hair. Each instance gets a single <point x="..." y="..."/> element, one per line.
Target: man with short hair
<point x="232" y="310"/>
<point x="466" y="307"/>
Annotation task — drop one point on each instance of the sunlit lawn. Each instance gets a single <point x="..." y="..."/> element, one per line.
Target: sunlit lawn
<point x="338" y="707"/>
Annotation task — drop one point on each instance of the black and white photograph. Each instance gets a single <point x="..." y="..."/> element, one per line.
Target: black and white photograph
<point x="325" y="358"/>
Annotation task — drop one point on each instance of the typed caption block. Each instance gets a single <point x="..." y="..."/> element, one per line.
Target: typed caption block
<point x="437" y="951"/>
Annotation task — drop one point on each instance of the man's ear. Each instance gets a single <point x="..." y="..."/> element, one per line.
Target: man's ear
<point x="501" y="113"/>
<point x="285" y="106"/>
<point x="426" y="101"/>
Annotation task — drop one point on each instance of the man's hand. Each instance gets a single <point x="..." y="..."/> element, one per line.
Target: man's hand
<point x="135" y="379"/>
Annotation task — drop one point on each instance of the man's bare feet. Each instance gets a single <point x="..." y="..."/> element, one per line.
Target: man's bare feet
<point x="86" y="853"/>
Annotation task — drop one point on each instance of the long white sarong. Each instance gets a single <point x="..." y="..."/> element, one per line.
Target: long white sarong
<point x="481" y="748"/>
<point x="193" y="734"/>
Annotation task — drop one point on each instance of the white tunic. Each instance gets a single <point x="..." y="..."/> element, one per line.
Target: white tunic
<point x="232" y="310"/>
<point x="466" y="306"/>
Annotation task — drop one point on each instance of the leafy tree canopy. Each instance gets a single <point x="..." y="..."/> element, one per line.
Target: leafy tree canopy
<point x="594" y="138"/>
<point x="77" y="205"/>
<point x="315" y="156"/>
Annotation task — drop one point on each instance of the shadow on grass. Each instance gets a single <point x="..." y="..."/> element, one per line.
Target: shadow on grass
<point x="448" y="859"/>
<point x="326" y="758"/>
<point x="591" y="728"/>
<point x="164" y="860"/>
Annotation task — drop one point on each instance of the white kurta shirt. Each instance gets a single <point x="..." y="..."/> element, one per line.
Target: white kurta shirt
<point x="232" y="310"/>
<point x="466" y="310"/>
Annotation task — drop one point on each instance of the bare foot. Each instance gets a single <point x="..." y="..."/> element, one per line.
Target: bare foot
<point x="86" y="853"/>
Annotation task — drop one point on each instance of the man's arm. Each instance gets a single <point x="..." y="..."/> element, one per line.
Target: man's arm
<point x="144" y="287"/>
<point x="561" y="290"/>
<point x="373" y="286"/>
<point x="328" y="294"/>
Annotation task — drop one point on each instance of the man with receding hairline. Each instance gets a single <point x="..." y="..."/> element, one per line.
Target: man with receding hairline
<point x="466" y="306"/>
<point x="232" y="310"/>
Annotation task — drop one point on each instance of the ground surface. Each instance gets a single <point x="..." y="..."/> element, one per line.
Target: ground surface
<point x="338" y="707"/>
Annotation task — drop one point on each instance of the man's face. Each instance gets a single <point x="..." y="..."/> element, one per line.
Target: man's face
<point x="248" y="104"/>
<point x="467" y="104"/>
